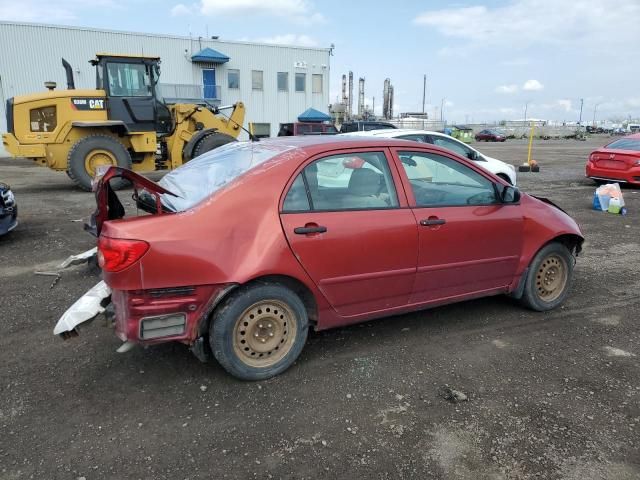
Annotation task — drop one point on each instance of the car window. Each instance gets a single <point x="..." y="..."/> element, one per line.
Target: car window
<point x="413" y="137"/>
<point x="440" y="181"/>
<point x="625" y="144"/>
<point x="304" y="129"/>
<point x="297" y="199"/>
<point x="449" y="144"/>
<point x="345" y="182"/>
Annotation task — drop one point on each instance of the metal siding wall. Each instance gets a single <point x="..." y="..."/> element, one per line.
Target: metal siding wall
<point x="32" y="53"/>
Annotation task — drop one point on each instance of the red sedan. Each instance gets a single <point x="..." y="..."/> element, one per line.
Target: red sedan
<point x="490" y="136"/>
<point x="252" y="244"/>
<point x="619" y="161"/>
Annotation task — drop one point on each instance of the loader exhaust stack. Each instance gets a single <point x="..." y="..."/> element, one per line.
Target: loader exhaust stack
<point x="69" y="72"/>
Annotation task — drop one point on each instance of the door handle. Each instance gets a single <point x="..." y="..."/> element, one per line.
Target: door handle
<point x="432" y="221"/>
<point x="307" y="229"/>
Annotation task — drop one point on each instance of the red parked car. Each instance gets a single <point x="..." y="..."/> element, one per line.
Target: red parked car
<point x="619" y="161"/>
<point x="490" y="136"/>
<point x="258" y="242"/>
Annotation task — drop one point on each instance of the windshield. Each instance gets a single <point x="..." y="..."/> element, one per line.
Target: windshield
<point x="625" y="144"/>
<point x="201" y="177"/>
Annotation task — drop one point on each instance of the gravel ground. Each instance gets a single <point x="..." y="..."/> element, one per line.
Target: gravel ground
<point x="553" y="395"/>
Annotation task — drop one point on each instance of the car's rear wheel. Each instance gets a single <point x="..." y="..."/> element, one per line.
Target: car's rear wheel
<point x="259" y="331"/>
<point x="549" y="278"/>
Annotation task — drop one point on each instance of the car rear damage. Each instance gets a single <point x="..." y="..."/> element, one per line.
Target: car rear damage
<point x="139" y="315"/>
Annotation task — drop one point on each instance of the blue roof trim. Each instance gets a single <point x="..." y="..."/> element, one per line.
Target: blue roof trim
<point x="209" y="55"/>
<point x="313" y="115"/>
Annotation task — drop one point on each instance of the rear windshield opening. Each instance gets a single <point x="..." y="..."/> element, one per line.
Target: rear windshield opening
<point x="203" y="176"/>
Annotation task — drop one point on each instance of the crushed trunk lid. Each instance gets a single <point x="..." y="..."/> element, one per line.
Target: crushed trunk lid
<point x="146" y="194"/>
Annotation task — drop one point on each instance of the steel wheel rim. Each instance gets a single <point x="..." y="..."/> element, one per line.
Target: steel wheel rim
<point x="265" y="333"/>
<point x="551" y="278"/>
<point x="98" y="158"/>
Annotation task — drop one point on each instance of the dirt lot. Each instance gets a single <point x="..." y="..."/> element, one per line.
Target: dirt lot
<point x="553" y="395"/>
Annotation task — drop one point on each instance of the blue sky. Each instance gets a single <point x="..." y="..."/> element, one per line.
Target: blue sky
<point x="486" y="59"/>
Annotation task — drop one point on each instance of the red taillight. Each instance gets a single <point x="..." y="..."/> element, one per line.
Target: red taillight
<point x="116" y="254"/>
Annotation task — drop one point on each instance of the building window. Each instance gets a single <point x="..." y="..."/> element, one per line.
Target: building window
<point x="283" y="81"/>
<point x="316" y="83"/>
<point x="301" y="80"/>
<point x="233" y="78"/>
<point x="261" y="130"/>
<point x="256" y="79"/>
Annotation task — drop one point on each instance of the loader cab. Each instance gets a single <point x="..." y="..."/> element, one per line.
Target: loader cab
<point x="130" y="84"/>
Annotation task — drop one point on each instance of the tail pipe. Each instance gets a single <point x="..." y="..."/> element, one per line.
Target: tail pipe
<point x="69" y="72"/>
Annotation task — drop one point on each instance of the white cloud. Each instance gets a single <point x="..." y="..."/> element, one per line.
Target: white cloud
<point x="180" y="9"/>
<point x="507" y="88"/>
<point x="524" y="23"/>
<point x="290" y="39"/>
<point x="298" y="11"/>
<point x="565" y="104"/>
<point x="532" y="85"/>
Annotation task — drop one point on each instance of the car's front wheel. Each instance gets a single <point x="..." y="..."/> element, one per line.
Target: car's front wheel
<point x="549" y="278"/>
<point x="259" y="331"/>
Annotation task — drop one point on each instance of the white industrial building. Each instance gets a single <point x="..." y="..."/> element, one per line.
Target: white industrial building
<point x="275" y="82"/>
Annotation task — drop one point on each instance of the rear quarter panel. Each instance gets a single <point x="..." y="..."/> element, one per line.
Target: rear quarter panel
<point x="235" y="236"/>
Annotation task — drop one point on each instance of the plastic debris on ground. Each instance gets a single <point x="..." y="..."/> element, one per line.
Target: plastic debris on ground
<point x="83" y="310"/>
<point x="608" y="198"/>
<point x="79" y="258"/>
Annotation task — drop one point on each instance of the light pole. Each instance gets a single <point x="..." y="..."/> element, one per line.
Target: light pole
<point x="526" y="107"/>
<point x="581" y="105"/>
<point x="442" y="111"/>
<point x="595" y="109"/>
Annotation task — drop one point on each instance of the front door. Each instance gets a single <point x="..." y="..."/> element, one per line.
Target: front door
<point x="469" y="242"/>
<point x="209" y="83"/>
<point x="343" y="219"/>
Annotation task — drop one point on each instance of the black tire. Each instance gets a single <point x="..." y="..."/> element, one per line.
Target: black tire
<point x="210" y="142"/>
<point x="76" y="168"/>
<point x="263" y="312"/>
<point x="505" y="177"/>
<point x="553" y="262"/>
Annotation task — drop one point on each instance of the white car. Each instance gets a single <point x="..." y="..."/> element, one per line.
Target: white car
<point x="503" y="170"/>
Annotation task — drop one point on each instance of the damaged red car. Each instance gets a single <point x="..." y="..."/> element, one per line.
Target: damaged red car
<point x="248" y="246"/>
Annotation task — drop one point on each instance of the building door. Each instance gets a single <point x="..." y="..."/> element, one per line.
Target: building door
<point x="209" y="82"/>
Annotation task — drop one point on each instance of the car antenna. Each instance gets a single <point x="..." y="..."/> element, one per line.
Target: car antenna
<point x="216" y="110"/>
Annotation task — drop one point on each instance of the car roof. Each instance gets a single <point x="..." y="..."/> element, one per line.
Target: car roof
<point x="393" y="132"/>
<point x="328" y="142"/>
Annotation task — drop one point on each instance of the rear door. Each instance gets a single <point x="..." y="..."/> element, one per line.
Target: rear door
<point x="469" y="242"/>
<point x="349" y="226"/>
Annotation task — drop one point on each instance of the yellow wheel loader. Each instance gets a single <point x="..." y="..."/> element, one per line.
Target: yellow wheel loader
<point x="123" y="122"/>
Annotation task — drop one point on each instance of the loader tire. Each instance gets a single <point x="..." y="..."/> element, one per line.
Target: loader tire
<point x="93" y="151"/>
<point x="211" y="141"/>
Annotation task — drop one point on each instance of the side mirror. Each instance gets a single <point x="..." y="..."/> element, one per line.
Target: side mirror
<point x="473" y="155"/>
<point x="510" y="195"/>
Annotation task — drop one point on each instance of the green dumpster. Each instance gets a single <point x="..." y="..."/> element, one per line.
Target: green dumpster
<point x="462" y="133"/>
